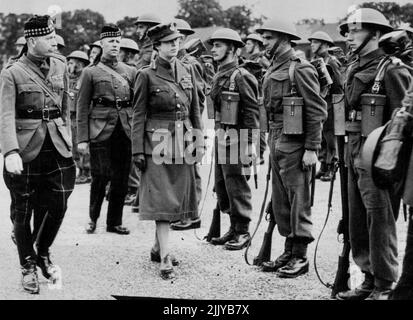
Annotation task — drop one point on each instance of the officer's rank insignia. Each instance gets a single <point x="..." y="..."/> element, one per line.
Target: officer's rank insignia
<point x="186" y="82"/>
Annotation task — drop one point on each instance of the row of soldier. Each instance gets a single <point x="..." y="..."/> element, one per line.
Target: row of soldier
<point x="117" y="108"/>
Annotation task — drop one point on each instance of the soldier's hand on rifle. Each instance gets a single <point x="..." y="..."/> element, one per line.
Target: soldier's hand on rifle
<point x="82" y="147"/>
<point x="249" y="154"/>
<point x="309" y="159"/>
<point x="140" y="161"/>
<point x="14" y="163"/>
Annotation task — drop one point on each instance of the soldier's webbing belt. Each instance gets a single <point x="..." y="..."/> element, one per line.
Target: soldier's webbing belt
<point x="36" y="79"/>
<point x="171" y="116"/>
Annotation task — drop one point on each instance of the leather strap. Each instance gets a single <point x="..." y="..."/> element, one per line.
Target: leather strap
<point x="113" y="73"/>
<point x="36" y="79"/>
<point x="232" y="80"/>
<point x="291" y="71"/>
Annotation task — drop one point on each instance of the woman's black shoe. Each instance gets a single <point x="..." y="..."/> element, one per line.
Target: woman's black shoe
<point x="156" y="257"/>
<point x="167" y="271"/>
<point x="30" y="280"/>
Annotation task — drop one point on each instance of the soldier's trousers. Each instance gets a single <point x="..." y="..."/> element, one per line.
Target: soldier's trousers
<point x="406" y="279"/>
<point x="55" y="177"/>
<point x="373" y="236"/>
<point x="328" y="151"/>
<point x="291" y="193"/>
<point x="233" y="193"/>
<point x="110" y="161"/>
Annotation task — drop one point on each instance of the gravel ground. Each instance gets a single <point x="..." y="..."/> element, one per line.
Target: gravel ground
<point x="103" y="264"/>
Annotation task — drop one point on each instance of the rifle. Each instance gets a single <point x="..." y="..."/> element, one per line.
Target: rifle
<point x="342" y="275"/>
<point x="265" y="251"/>
<point x="215" y="228"/>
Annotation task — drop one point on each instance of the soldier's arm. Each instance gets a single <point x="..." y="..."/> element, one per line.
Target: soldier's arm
<point x="65" y="102"/>
<point x="8" y="136"/>
<point x="315" y="108"/>
<point x="140" y="100"/>
<point x="248" y="90"/>
<point x="337" y="86"/>
<point x="397" y="81"/>
<point x="83" y="104"/>
<point x="195" y="112"/>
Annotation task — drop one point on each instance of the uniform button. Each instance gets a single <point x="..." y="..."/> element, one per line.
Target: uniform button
<point x="178" y="106"/>
<point x="176" y="95"/>
<point x="158" y="90"/>
<point x="46" y="94"/>
<point x="116" y="87"/>
<point x="178" y="125"/>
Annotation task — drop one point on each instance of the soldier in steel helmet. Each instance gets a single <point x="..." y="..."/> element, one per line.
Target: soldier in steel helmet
<point x="320" y="43"/>
<point x="35" y="141"/>
<point x="372" y="212"/>
<point x="104" y="120"/>
<point x="294" y="140"/>
<point x="129" y="51"/>
<point x="76" y="62"/>
<point x="237" y="128"/>
<point x="143" y="24"/>
<point x="95" y="50"/>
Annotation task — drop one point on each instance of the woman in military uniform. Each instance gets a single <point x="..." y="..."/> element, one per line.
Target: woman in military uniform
<point x="166" y="107"/>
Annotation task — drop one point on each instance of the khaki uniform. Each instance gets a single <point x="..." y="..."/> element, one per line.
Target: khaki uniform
<point x="104" y="119"/>
<point x="372" y="224"/>
<point x="290" y="184"/>
<point x="145" y="53"/>
<point x="35" y="126"/>
<point x="166" y="102"/>
<point x="231" y="180"/>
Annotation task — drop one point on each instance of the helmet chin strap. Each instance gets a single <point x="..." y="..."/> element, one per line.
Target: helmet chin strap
<point x="271" y="53"/>
<point x="363" y="44"/>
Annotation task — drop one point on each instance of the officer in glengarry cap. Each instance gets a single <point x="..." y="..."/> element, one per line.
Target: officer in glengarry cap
<point x="104" y="120"/>
<point x="36" y="145"/>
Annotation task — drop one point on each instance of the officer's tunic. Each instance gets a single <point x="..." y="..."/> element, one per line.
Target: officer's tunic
<point x="166" y="104"/>
<point x="372" y="224"/>
<point x="290" y="184"/>
<point x="231" y="180"/>
<point x="42" y="138"/>
<point x="104" y="119"/>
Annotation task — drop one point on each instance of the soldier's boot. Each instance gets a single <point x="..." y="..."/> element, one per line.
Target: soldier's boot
<point x="282" y="260"/>
<point x="322" y="171"/>
<point x="298" y="265"/>
<point x="361" y="292"/>
<point x="329" y="174"/>
<point x="30" y="280"/>
<point x="242" y="237"/>
<point x="228" y="236"/>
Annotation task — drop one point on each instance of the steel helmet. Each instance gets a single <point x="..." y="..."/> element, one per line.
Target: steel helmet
<point x="183" y="27"/>
<point x="60" y="41"/>
<point x="255" y="37"/>
<point x="149" y="18"/>
<point x="77" y="54"/>
<point x="367" y="16"/>
<point x="129" y="44"/>
<point x="21" y="41"/>
<point x="281" y="25"/>
<point x="322" y="36"/>
<point x="194" y="45"/>
<point x="227" y="34"/>
<point x="96" y="44"/>
<point x="408" y="29"/>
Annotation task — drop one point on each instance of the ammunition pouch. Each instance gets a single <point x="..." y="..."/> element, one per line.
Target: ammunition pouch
<point x="339" y="114"/>
<point x="372" y="112"/>
<point x="293" y="117"/>
<point x="230" y="101"/>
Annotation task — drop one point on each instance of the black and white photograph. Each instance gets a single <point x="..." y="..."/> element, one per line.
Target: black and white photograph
<point x="200" y="157"/>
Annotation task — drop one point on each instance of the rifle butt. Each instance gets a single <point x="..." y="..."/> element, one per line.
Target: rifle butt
<point x="265" y="251"/>
<point x="341" y="282"/>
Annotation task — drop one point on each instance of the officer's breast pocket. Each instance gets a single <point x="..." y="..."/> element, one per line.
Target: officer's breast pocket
<point x="161" y="98"/>
<point x="29" y="95"/>
<point x="103" y="87"/>
<point x="57" y="83"/>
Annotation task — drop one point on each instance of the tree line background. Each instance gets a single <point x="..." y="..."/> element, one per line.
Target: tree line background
<point x="82" y="27"/>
